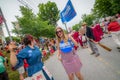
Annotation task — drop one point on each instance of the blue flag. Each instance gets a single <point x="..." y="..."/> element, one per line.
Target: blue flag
<point x="68" y="13"/>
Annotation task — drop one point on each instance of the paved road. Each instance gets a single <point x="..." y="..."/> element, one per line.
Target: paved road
<point x="104" y="67"/>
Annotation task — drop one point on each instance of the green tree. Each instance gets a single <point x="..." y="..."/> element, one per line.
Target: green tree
<point x="42" y="29"/>
<point x="104" y="8"/>
<point x="49" y="12"/>
<point x="88" y="19"/>
<point x="27" y="21"/>
<point x="17" y="39"/>
<point x="17" y="29"/>
<point x="30" y="24"/>
<point x="115" y="6"/>
<point x="76" y="27"/>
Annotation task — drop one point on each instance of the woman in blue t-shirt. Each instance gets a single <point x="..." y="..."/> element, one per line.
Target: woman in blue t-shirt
<point x="32" y="55"/>
<point x="67" y="55"/>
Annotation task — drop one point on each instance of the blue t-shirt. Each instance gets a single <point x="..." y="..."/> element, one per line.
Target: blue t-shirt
<point x="33" y="58"/>
<point x="66" y="47"/>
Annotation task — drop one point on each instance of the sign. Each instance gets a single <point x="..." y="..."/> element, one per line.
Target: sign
<point x="68" y="13"/>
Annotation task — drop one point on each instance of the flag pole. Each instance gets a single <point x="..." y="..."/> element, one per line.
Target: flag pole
<point x="67" y="14"/>
<point x="5" y="24"/>
<point x="66" y="27"/>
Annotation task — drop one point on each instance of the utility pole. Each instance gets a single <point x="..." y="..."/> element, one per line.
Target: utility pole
<point x="5" y="24"/>
<point x="25" y="4"/>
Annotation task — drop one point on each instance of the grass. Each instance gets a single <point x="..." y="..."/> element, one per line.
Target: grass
<point x="13" y="75"/>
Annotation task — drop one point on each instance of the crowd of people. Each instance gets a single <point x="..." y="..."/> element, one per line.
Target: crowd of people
<point x="23" y="67"/>
<point x="26" y="57"/>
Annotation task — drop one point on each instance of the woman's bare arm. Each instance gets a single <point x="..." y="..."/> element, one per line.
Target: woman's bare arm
<point x="58" y="54"/>
<point x="13" y="58"/>
<point x="75" y="43"/>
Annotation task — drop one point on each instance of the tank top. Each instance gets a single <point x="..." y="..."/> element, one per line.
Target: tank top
<point x="66" y="47"/>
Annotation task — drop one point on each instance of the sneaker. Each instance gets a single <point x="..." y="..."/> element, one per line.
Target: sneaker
<point x="97" y="55"/>
<point x="92" y="53"/>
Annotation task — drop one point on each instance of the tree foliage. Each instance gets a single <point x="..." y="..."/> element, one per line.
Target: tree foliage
<point x="17" y="39"/>
<point x="115" y="6"/>
<point x="17" y="29"/>
<point x="31" y="24"/>
<point x="104" y="8"/>
<point x="49" y="12"/>
<point x="27" y="21"/>
<point x="76" y="27"/>
<point x="88" y="19"/>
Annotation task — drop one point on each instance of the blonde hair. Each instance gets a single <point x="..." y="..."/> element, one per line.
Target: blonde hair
<point x="65" y="37"/>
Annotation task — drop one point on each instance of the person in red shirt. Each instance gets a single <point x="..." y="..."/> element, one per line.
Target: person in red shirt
<point x="44" y="53"/>
<point x="97" y="32"/>
<point x="114" y="29"/>
<point x="113" y="26"/>
<point x="80" y="39"/>
<point x="76" y="38"/>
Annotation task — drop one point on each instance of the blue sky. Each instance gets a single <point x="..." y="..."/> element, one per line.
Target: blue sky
<point x="11" y="9"/>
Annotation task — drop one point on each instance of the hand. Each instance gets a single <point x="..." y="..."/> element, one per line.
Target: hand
<point x="69" y="36"/>
<point x="12" y="46"/>
<point x="59" y="58"/>
<point x="96" y="42"/>
<point x="109" y="32"/>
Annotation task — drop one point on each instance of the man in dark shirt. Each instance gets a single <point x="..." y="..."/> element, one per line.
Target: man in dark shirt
<point x="91" y="39"/>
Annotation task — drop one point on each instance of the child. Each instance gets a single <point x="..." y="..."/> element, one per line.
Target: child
<point x="83" y="39"/>
<point x="44" y="53"/>
<point x="51" y="49"/>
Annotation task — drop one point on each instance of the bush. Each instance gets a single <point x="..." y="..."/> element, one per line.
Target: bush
<point x="17" y="39"/>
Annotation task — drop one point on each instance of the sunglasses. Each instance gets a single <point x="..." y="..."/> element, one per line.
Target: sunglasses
<point x="60" y="31"/>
